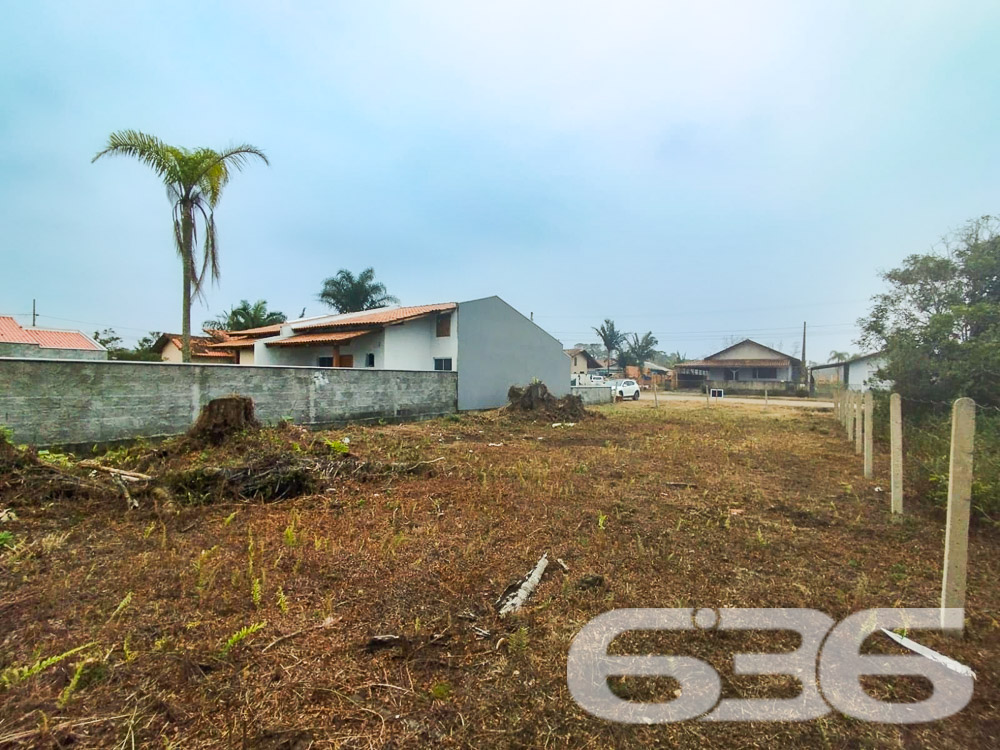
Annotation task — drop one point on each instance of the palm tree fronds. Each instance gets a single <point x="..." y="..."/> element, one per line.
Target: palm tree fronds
<point x="148" y="149"/>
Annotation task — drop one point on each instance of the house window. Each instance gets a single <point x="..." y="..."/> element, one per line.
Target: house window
<point x="370" y="359"/>
<point x="442" y="363"/>
<point x="765" y="373"/>
<point x="444" y="326"/>
<point x="325" y="362"/>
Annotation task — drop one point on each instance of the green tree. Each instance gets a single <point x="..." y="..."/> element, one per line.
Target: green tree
<point x="245" y="316"/>
<point x="939" y="322"/>
<point x="636" y="351"/>
<point x="836" y="356"/>
<point x="347" y="293"/>
<point x="611" y="337"/>
<point x="109" y="339"/>
<point x="142" y="352"/>
<point x="194" y="180"/>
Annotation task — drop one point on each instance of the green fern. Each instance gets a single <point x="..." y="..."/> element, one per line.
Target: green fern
<point x="241" y="635"/>
<point x="14" y="675"/>
<point x="122" y="605"/>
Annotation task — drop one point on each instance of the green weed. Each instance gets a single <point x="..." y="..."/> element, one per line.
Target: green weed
<point x="15" y="675"/>
<point x="239" y="636"/>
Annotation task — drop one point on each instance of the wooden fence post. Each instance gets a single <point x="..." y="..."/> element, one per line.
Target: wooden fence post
<point x="956" y="535"/>
<point x="857" y="424"/>
<point x="869" y="436"/>
<point x="896" y="450"/>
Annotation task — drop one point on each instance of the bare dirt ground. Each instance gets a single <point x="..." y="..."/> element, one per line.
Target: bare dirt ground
<point x="801" y="403"/>
<point x="389" y="540"/>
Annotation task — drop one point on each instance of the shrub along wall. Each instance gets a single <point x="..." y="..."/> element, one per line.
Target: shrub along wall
<point x="60" y="402"/>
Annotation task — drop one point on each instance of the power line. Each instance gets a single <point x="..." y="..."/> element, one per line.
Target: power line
<point x="700" y="311"/>
<point x="84" y="322"/>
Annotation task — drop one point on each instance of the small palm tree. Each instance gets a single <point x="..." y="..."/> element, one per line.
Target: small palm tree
<point x="244" y="316"/>
<point x="194" y="180"/>
<point x="611" y="337"/>
<point x="637" y="351"/>
<point x="836" y="356"/>
<point x="345" y="293"/>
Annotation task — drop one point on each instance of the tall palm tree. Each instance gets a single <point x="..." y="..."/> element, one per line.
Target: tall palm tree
<point x="194" y="180"/>
<point x="611" y="337"/>
<point x="244" y="315"/>
<point x="836" y="356"/>
<point x="345" y="293"/>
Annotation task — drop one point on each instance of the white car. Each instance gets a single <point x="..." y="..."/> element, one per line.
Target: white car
<point x="626" y="389"/>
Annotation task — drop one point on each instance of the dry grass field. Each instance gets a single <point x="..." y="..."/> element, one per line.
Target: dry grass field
<point x="236" y="606"/>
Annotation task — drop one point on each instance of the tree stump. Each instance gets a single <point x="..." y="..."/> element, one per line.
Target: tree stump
<point x="222" y="417"/>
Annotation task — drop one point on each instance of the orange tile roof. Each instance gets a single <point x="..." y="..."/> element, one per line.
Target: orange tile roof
<point x="48" y="338"/>
<point x="200" y="345"/>
<point x="233" y="343"/>
<point x="304" y="339"/>
<point x="381" y="316"/>
<point x="258" y="332"/>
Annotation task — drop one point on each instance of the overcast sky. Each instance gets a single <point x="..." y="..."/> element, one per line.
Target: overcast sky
<point x="702" y="170"/>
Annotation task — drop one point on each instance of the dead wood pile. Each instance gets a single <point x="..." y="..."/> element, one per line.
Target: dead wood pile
<point x="535" y="399"/>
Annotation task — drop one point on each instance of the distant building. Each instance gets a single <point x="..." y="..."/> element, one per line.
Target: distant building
<point x="486" y="341"/>
<point x="581" y="361"/>
<point x="169" y="347"/>
<point x="743" y="366"/>
<point x="855" y="374"/>
<point x="46" y="343"/>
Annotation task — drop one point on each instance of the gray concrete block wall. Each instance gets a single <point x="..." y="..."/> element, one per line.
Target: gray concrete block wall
<point x="593" y="394"/>
<point x="34" y="351"/>
<point x="53" y="402"/>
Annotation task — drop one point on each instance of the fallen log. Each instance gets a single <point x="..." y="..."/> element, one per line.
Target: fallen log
<point x="131" y="476"/>
<point x="513" y="601"/>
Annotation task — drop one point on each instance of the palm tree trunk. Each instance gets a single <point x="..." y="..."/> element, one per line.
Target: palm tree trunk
<point x="187" y="261"/>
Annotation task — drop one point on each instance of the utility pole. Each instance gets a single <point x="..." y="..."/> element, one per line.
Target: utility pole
<point x="34" y="314"/>
<point x="805" y="368"/>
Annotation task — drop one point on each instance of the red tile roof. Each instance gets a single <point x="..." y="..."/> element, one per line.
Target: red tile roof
<point x="304" y="339"/>
<point x="47" y="338"/>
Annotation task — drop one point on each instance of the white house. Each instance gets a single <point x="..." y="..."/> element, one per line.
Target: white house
<point x="855" y="374"/>
<point x="486" y="341"/>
